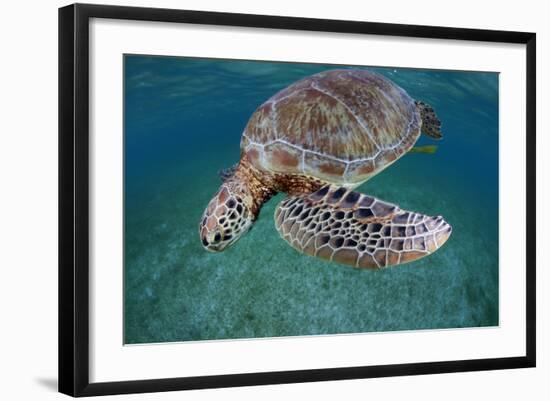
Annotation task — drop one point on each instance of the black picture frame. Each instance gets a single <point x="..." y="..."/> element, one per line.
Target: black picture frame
<point x="74" y="198"/>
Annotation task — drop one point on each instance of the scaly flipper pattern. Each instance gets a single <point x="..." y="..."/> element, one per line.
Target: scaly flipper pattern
<point x="347" y="227"/>
<point x="431" y="125"/>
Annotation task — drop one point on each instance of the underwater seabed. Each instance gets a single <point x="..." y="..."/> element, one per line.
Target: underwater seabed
<point x="261" y="287"/>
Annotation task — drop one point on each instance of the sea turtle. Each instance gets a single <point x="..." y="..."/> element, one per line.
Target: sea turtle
<point x="316" y="141"/>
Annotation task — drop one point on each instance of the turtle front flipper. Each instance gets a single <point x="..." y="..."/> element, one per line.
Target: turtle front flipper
<point x="354" y="229"/>
<point x="226" y="173"/>
<point x="431" y="125"/>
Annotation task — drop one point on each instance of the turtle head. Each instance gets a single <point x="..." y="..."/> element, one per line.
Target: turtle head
<point x="226" y="218"/>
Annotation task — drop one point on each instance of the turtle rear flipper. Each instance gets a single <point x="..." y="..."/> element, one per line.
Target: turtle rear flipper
<point x="354" y="229"/>
<point x="431" y="125"/>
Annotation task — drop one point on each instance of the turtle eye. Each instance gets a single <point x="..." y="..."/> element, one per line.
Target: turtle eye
<point x="217" y="238"/>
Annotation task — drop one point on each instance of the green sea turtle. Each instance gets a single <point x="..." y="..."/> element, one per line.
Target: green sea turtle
<point x="316" y="141"/>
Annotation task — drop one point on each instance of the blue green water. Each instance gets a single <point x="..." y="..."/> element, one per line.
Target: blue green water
<point x="183" y="122"/>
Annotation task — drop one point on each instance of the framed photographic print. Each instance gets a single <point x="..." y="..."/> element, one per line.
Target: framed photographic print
<point x="249" y="199"/>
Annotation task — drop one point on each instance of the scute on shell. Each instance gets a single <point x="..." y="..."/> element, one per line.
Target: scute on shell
<point x="341" y="126"/>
